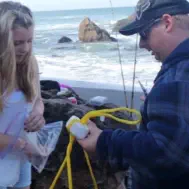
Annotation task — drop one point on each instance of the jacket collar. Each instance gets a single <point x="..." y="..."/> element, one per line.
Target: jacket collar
<point x="180" y="53"/>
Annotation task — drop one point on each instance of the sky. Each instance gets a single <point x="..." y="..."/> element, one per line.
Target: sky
<point x="46" y="5"/>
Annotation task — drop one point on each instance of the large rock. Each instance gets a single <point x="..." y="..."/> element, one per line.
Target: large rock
<point x="64" y="39"/>
<point x="123" y="22"/>
<point x="60" y="108"/>
<point x="90" y="32"/>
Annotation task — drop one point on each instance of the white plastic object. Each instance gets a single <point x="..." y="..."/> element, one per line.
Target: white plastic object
<point x="102" y="118"/>
<point x="98" y="100"/>
<point x="62" y="92"/>
<point x="79" y="130"/>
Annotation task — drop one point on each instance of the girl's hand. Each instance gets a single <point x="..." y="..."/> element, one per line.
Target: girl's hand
<point x="34" y="122"/>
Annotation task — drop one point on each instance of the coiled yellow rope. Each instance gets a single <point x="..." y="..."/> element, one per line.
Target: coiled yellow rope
<point x="84" y="120"/>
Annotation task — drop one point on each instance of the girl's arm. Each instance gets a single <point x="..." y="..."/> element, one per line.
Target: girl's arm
<point x="5" y="140"/>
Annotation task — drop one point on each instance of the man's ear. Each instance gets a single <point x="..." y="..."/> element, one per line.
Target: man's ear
<point x="168" y="22"/>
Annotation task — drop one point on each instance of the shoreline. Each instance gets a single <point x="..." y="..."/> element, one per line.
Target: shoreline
<point x="94" y="85"/>
<point x="114" y="93"/>
<point x="114" y="96"/>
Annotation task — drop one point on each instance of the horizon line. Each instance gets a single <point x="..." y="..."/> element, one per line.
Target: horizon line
<point x="82" y="9"/>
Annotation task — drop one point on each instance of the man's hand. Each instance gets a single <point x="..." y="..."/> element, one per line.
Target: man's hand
<point x="90" y="142"/>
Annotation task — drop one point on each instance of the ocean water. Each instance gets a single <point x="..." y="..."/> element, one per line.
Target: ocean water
<point x="89" y="64"/>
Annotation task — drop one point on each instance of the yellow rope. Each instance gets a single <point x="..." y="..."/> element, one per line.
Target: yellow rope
<point x="84" y="120"/>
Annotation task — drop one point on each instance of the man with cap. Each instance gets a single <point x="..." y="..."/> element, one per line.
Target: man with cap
<point x="159" y="152"/>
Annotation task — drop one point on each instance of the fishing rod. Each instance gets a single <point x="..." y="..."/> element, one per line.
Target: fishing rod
<point x="134" y="73"/>
<point x="120" y="60"/>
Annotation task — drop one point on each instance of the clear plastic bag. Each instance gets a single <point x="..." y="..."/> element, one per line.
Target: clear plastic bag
<point x="40" y="144"/>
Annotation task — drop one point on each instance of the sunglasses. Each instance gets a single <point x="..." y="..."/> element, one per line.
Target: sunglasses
<point x="146" y="31"/>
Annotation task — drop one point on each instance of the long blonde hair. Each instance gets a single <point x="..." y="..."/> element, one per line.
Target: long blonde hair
<point x="22" y="75"/>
